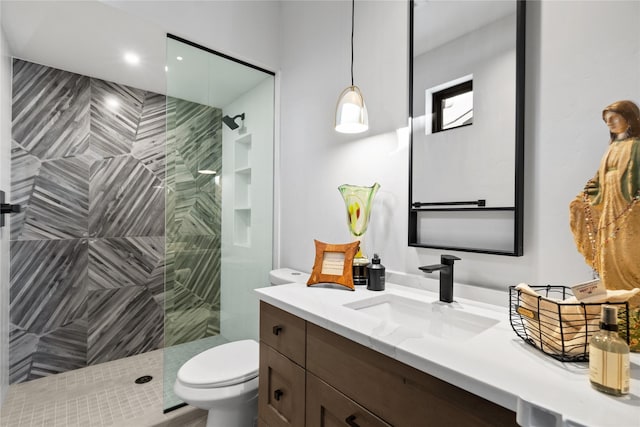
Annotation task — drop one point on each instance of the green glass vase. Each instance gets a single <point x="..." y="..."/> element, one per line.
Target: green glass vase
<point x="358" y="201"/>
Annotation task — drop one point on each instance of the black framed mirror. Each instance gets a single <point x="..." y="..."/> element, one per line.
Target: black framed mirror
<point x="466" y="103"/>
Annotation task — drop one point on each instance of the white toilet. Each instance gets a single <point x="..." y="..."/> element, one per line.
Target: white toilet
<point x="283" y="276"/>
<point x="224" y="379"/>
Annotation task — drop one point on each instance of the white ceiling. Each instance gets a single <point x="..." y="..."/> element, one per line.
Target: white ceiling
<point x="91" y="38"/>
<point x="86" y="37"/>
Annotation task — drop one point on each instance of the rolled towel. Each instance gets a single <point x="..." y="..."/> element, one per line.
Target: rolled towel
<point x="545" y="328"/>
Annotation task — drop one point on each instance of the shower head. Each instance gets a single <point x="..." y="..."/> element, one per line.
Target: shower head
<point x="231" y="122"/>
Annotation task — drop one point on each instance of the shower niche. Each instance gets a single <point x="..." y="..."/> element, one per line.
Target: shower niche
<point x="242" y="190"/>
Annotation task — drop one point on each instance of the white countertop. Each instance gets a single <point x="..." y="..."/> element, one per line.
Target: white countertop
<point x="494" y="364"/>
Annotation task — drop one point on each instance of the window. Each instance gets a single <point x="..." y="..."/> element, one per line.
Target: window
<point x="453" y="107"/>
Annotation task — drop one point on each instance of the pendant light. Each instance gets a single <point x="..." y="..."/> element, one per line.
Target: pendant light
<point x="351" y="112"/>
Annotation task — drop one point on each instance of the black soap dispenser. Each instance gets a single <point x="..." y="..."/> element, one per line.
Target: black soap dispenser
<point x="375" y="274"/>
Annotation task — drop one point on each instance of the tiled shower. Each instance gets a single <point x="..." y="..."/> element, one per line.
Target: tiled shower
<point x="95" y="170"/>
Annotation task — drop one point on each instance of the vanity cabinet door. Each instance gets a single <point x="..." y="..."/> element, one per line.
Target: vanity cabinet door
<point x="397" y="393"/>
<point x="327" y="407"/>
<point x="283" y="331"/>
<point x="281" y="392"/>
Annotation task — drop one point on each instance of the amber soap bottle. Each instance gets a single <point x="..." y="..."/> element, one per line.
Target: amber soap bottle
<point x="609" y="367"/>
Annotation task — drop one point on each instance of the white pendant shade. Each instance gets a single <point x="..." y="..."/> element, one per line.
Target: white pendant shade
<point x="351" y="112"/>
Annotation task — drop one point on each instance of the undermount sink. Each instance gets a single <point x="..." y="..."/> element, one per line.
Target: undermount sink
<point x="448" y="321"/>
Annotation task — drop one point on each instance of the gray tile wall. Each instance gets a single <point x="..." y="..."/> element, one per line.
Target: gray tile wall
<point x="192" y="298"/>
<point x="87" y="252"/>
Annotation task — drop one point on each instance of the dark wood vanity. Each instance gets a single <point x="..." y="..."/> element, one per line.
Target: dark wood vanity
<point x="312" y="377"/>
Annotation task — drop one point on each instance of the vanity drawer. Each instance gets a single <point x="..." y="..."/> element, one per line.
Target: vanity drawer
<point x="283" y="331"/>
<point x="395" y="392"/>
<point x="327" y="407"/>
<point x="281" y="390"/>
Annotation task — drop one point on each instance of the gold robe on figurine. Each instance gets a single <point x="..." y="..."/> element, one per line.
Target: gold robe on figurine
<point x="605" y="217"/>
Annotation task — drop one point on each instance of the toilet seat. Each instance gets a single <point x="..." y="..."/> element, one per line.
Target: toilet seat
<point x="222" y="366"/>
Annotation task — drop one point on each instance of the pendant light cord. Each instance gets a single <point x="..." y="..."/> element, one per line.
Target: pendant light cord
<point x="353" y="7"/>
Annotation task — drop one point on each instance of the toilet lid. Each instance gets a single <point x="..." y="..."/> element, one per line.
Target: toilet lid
<point x="221" y="366"/>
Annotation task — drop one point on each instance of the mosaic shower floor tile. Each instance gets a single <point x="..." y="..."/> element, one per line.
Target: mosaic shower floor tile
<point x="100" y="395"/>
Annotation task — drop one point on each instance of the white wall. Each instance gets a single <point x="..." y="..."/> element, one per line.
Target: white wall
<point x="315" y="159"/>
<point x="574" y="75"/>
<point x="581" y="56"/>
<point x="5" y="184"/>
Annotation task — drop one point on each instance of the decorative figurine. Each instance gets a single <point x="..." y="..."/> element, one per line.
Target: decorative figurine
<point x="605" y="216"/>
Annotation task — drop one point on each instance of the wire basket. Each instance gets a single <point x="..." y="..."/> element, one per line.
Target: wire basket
<point x="560" y="330"/>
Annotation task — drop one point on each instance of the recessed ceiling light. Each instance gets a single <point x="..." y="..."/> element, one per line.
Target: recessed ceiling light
<point x="131" y="58"/>
<point x="179" y="58"/>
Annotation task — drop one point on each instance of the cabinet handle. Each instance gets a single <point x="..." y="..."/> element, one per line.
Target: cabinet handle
<point x="277" y="329"/>
<point x="351" y="421"/>
<point x="278" y="394"/>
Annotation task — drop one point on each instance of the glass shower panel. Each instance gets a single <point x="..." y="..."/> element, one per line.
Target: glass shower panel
<point x="219" y="201"/>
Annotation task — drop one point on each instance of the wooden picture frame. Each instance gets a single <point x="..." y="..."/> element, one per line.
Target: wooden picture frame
<point x="334" y="264"/>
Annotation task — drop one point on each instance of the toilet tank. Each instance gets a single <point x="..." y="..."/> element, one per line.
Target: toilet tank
<point x="282" y="276"/>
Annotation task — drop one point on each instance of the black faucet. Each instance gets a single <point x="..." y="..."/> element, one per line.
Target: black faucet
<point x="446" y="275"/>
